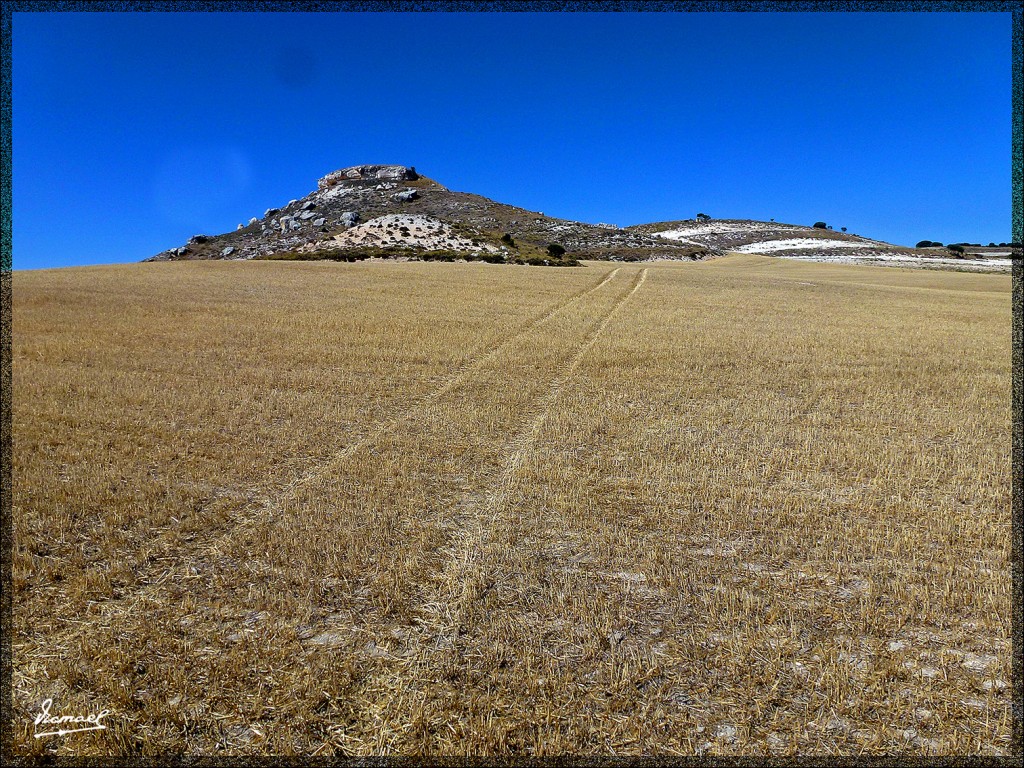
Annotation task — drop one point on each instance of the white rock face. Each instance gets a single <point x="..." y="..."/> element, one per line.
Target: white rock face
<point x="338" y="190"/>
<point x="357" y="172"/>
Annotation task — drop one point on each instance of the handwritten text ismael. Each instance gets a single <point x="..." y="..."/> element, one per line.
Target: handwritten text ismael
<point x="65" y="724"/>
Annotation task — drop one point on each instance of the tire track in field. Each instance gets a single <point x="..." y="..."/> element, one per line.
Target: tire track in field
<point x="150" y="579"/>
<point x="453" y="381"/>
<point x="441" y="611"/>
<point x="523" y="444"/>
<point x="127" y="615"/>
<point x="450" y="383"/>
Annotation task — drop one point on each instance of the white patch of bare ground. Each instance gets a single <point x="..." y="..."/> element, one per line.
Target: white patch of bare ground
<point x="696" y="229"/>
<point x="412" y="230"/>
<point x="797" y="243"/>
<point x="879" y="257"/>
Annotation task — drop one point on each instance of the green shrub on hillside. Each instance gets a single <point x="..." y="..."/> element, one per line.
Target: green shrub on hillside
<point x="540" y="261"/>
<point x="316" y="256"/>
<point x="533" y="257"/>
<point x="438" y="256"/>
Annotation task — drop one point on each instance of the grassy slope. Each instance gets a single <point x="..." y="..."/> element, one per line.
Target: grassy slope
<point x="749" y="505"/>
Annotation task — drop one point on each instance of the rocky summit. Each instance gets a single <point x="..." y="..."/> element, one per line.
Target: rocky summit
<point x="363" y="172"/>
<point x="391" y="211"/>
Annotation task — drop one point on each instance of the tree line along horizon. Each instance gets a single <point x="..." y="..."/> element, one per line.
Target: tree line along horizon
<point x="959" y="247"/>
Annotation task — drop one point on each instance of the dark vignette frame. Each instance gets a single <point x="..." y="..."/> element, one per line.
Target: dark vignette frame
<point x="1015" y="7"/>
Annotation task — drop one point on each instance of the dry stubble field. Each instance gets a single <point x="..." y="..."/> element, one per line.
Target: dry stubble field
<point x="746" y="506"/>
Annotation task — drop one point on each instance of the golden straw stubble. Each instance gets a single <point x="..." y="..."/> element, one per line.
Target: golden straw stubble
<point x="744" y="506"/>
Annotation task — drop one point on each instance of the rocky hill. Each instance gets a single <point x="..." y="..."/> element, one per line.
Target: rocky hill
<point x="392" y="211"/>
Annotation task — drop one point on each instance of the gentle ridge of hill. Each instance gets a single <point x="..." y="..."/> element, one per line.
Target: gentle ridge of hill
<point x="747" y="236"/>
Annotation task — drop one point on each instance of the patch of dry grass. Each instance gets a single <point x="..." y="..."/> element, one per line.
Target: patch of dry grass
<point x="747" y="506"/>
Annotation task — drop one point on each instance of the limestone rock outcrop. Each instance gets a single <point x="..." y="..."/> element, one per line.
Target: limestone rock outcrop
<point x="366" y="173"/>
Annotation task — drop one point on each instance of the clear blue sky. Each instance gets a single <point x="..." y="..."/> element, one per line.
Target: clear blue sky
<point x="134" y="131"/>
